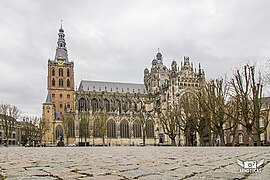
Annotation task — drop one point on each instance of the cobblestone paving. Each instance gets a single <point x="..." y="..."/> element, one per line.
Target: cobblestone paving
<point x="130" y="162"/>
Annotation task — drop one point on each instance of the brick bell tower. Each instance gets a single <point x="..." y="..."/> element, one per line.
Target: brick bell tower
<point x="60" y="79"/>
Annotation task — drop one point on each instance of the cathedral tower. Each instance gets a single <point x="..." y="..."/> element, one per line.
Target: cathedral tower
<point x="60" y="79"/>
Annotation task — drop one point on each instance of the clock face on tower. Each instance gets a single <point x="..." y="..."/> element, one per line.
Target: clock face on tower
<point x="60" y="62"/>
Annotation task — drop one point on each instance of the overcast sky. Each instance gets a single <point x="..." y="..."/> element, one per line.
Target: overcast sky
<point x="116" y="40"/>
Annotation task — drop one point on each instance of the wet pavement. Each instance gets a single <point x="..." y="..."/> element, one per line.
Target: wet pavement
<point x="131" y="162"/>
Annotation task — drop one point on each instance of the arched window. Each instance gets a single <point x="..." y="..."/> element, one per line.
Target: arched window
<point x="82" y="105"/>
<point x="261" y="122"/>
<point x="118" y="105"/>
<point x="60" y="72"/>
<point x="53" y="82"/>
<point x="68" y="83"/>
<point x="124" y="129"/>
<point x="94" y="104"/>
<point x="111" y="129"/>
<point x="59" y="132"/>
<point x="137" y="131"/>
<point x="149" y="129"/>
<point x="241" y="138"/>
<point x="107" y="105"/>
<point x="53" y="72"/>
<point x="61" y="83"/>
<point x="125" y="106"/>
<point x="67" y="72"/>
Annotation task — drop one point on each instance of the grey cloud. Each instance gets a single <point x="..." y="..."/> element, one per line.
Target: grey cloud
<point x="116" y="40"/>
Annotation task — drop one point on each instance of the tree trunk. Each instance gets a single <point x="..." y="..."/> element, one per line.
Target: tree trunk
<point x="201" y="139"/>
<point x="103" y="140"/>
<point x="143" y="137"/>
<point x="67" y="140"/>
<point x="173" y="142"/>
<point x="222" y="140"/>
<point x="259" y="138"/>
<point x="250" y="137"/>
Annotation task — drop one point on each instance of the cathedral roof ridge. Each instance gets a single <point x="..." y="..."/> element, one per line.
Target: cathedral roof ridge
<point x="121" y="87"/>
<point x="114" y="82"/>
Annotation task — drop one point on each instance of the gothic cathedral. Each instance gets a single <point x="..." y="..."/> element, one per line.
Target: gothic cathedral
<point x="112" y="113"/>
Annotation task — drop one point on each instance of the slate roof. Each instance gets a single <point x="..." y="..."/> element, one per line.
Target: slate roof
<point x="48" y="99"/>
<point x="100" y="86"/>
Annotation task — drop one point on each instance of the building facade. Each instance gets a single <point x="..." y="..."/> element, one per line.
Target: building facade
<point x="113" y="113"/>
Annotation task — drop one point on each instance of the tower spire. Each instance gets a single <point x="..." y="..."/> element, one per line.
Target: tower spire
<point x="61" y="50"/>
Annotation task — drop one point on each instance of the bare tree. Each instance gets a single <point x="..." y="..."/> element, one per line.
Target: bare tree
<point x="43" y="127"/>
<point x="169" y="122"/>
<point x="68" y="125"/>
<point x="248" y="91"/>
<point x="30" y="127"/>
<point x="8" y="117"/>
<point x="100" y="128"/>
<point x="84" y="130"/>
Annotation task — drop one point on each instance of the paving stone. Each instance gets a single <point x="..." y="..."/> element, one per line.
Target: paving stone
<point x="130" y="162"/>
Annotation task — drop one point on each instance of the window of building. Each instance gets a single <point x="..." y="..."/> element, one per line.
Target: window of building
<point x="60" y="72"/>
<point x="53" y="82"/>
<point x="125" y="106"/>
<point x="13" y="136"/>
<point x="82" y="105"/>
<point x="107" y="105"/>
<point x="61" y="95"/>
<point x="111" y="129"/>
<point x="137" y="131"/>
<point x="68" y="83"/>
<point x="61" y="105"/>
<point x="53" y="96"/>
<point x="53" y="72"/>
<point x="118" y="105"/>
<point x="124" y="129"/>
<point x="61" y="83"/>
<point x="241" y="138"/>
<point x="68" y="106"/>
<point x="149" y="129"/>
<point x="94" y="104"/>
<point x="68" y="96"/>
<point x="67" y="72"/>
<point x="59" y="132"/>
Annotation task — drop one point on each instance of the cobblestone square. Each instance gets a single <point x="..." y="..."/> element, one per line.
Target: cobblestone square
<point x="130" y="162"/>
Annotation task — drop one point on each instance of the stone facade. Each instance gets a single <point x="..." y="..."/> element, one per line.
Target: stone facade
<point x="131" y="111"/>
